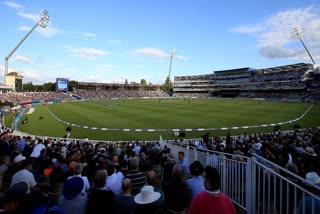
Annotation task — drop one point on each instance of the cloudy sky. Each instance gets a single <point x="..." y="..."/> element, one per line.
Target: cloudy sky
<point x="110" y="41"/>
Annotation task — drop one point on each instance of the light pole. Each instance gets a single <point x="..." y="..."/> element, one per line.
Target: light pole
<point x="43" y="22"/>
<point x="171" y="57"/>
<point x="296" y="34"/>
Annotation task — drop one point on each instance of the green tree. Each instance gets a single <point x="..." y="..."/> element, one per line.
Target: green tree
<point x="143" y="82"/>
<point x="38" y="88"/>
<point x="50" y="86"/>
<point x="126" y="82"/>
<point x="73" y="85"/>
<point x="165" y="86"/>
<point x="28" y="86"/>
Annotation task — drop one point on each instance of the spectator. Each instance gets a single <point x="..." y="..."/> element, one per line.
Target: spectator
<point x="176" y="193"/>
<point x="152" y="180"/>
<point x="212" y="200"/>
<point x="37" y="149"/>
<point x="196" y="183"/>
<point x="14" y="201"/>
<point x="184" y="164"/>
<point x="5" y="163"/>
<point x="114" y="179"/>
<point x="72" y="200"/>
<point x="78" y="173"/>
<point x="25" y="175"/>
<point x="100" y="199"/>
<point x="137" y="178"/>
<point x="124" y="203"/>
<point x="310" y="203"/>
<point x="167" y="168"/>
<point x="145" y="201"/>
<point x="12" y="169"/>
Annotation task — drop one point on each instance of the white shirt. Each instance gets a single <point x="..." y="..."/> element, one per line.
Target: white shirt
<point x="36" y="150"/>
<point x="24" y="176"/>
<point x="114" y="183"/>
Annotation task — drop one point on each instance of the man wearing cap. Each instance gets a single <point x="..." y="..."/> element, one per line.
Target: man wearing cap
<point x="77" y="170"/>
<point x="13" y="169"/>
<point x="195" y="183"/>
<point x="72" y="201"/>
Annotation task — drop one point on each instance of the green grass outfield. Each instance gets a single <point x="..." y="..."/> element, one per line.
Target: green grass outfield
<point x="164" y="114"/>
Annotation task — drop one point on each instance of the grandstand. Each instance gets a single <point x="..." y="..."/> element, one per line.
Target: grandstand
<point x="290" y="82"/>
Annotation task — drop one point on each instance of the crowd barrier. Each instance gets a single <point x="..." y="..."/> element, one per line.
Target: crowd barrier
<point x="254" y="184"/>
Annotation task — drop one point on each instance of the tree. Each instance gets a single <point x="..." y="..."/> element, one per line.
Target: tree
<point x="143" y="82"/>
<point x="73" y="85"/>
<point x="126" y="82"/>
<point x="50" y="86"/>
<point x="165" y="86"/>
<point x="28" y="86"/>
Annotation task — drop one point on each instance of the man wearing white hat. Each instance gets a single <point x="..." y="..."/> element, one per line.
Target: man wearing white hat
<point x="310" y="204"/>
<point x="145" y="200"/>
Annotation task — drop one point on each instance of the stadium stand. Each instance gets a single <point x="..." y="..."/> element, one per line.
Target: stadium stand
<point x="290" y="82"/>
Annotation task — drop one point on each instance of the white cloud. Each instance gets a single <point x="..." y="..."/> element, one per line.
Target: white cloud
<point x="21" y="58"/>
<point x="33" y="76"/>
<point x="46" y="32"/>
<point x="90" y="35"/>
<point x="156" y="53"/>
<point x="114" y="41"/>
<point x="247" y="29"/>
<point x="87" y="53"/>
<point x="49" y="31"/>
<point x="32" y="17"/>
<point x="181" y="58"/>
<point x="24" y="28"/>
<point x="14" y="5"/>
<point x="273" y="34"/>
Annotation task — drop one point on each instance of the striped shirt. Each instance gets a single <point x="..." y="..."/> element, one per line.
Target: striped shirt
<point x="138" y="180"/>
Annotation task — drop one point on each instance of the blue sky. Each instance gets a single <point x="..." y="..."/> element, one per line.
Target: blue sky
<point x="110" y="41"/>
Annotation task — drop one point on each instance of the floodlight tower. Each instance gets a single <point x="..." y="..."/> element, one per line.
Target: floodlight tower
<point x="171" y="57"/>
<point x="43" y="22"/>
<point x="296" y="34"/>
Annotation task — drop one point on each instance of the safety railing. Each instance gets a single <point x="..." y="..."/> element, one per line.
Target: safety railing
<point x="256" y="185"/>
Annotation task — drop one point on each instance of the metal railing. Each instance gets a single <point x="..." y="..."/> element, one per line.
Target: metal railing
<point x="255" y="184"/>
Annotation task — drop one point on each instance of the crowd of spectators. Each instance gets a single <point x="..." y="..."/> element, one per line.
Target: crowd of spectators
<point x="24" y="97"/>
<point x="119" y="94"/>
<point x="135" y="177"/>
<point x="61" y="176"/>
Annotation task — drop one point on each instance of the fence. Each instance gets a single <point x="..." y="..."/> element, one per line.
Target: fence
<point x="254" y="184"/>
